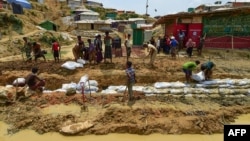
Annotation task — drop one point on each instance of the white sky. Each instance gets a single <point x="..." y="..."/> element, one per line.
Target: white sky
<point x="163" y="7"/>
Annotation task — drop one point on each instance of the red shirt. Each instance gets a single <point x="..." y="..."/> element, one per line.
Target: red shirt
<point x="168" y="41"/>
<point x="55" y="46"/>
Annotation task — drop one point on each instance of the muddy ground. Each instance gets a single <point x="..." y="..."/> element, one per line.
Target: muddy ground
<point x="165" y="114"/>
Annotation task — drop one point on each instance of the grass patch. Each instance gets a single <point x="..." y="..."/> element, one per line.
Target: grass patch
<point x="49" y="55"/>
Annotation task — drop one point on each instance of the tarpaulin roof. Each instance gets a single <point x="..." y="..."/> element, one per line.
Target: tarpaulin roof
<point x="235" y="11"/>
<point x="23" y="3"/>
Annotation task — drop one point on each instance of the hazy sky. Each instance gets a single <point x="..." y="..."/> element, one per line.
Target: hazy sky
<point x="163" y="7"/>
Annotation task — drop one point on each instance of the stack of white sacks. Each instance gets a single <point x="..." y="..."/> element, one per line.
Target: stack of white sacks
<point x="217" y="87"/>
<point x="84" y="84"/>
<point x="71" y="65"/>
<point x="213" y="88"/>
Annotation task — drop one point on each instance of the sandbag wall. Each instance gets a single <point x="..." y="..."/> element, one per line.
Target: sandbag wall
<point x="214" y="88"/>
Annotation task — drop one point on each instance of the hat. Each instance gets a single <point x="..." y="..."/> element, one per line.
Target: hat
<point x="172" y="37"/>
<point x="96" y="35"/>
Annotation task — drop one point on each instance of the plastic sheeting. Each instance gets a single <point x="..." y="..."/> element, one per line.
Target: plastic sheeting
<point x="23" y="3"/>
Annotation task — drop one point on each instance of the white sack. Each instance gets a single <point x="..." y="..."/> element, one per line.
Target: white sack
<point x="224" y="86"/>
<point x="120" y="89"/>
<point x="138" y="88"/>
<point x="210" y="82"/>
<point x="148" y="90"/>
<point x="92" y="83"/>
<point x="108" y="91"/>
<point x="8" y="86"/>
<point x="188" y="90"/>
<point x="160" y="85"/>
<point x="71" y="65"/>
<point x="178" y="85"/>
<point x="226" y="91"/>
<point x="91" y="88"/>
<point x="47" y="91"/>
<point x="88" y="92"/>
<point x="177" y="91"/>
<point x="199" y="76"/>
<point x="70" y="85"/>
<point x="115" y="88"/>
<point x="162" y="91"/>
<point x="18" y="81"/>
<point x="225" y="81"/>
<point x="84" y="79"/>
<point x="211" y="91"/>
<point x="244" y="82"/>
<point x="230" y="81"/>
<point x="81" y="61"/>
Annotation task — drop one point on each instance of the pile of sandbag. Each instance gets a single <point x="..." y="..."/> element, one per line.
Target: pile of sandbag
<point x="71" y="65"/>
<point x="120" y="89"/>
<point x="84" y="85"/>
<point x="216" y="88"/>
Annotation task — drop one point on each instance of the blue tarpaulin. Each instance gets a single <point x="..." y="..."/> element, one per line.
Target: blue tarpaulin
<point x="17" y="8"/>
<point x="23" y="3"/>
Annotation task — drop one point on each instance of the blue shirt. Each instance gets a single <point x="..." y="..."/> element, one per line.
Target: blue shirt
<point x="173" y="43"/>
<point x="131" y="74"/>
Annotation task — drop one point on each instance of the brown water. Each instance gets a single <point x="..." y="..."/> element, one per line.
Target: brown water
<point x="30" y="135"/>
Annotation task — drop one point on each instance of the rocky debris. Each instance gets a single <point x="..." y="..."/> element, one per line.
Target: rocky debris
<point x="76" y="127"/>
<point x="7" y="94"/>
<point x="70" y="91"/>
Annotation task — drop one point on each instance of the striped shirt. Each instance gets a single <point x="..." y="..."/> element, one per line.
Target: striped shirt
<point x="131" y="74"/>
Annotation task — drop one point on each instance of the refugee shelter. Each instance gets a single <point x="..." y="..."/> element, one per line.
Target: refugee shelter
<point x="223" y="28"/>
<point x="48" y="25"/>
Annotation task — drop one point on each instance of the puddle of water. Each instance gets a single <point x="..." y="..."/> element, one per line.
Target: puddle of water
<point x="243" y="119"/>
<point x="30" y="135"/>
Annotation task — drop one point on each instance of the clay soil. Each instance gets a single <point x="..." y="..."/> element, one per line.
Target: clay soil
<point x="166" y="114"/>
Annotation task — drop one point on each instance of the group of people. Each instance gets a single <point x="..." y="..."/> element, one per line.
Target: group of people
<point x="34" y="82"/>
<point x="188" y="68"/>
<point x="35" y="48"/>
<point x="206" y="67"/>
<point x="153" y="49"/>
<point x="93" y="52"/>
<point x="172" y="45"/>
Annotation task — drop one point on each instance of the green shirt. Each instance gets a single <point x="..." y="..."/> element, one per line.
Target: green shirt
<point x="189" y="66"/>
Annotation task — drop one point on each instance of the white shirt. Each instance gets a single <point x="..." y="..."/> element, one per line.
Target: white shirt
<point x="128" y="43"/>
<point x="158" y="43"/>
